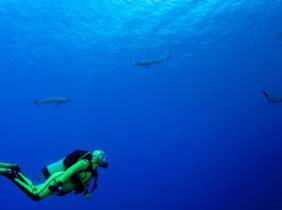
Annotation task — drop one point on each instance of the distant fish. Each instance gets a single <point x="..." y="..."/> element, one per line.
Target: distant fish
<point x="278" y="36"/>
<point x="272" y="99"/>
<point x="53" y="100"/>
<point x="148" y="63"/>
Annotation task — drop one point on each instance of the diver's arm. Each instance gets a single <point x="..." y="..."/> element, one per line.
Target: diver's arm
<point x="79" y="166"/>
<point x="95" y="185"/>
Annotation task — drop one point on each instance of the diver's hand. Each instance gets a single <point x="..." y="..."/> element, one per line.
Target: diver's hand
<point x="86" y="194"/>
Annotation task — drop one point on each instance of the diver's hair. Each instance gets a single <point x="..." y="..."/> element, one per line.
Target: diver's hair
<point x="265" y="94"/>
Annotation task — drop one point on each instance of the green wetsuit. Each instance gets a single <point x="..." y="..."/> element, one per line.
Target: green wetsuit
<point x="64" y="178"/>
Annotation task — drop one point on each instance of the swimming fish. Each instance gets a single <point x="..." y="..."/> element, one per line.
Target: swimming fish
<point x="53" y="100"/>
<point x="278" y="36"/>
<point x="272" y="99"/>
<point x="148" y="63"/>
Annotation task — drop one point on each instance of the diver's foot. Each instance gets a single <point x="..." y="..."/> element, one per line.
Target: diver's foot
<point x="15" y="168"/>
<point x="10" y="165"/>
<point x="5" y="171"/>
<point x="10" y="173"/>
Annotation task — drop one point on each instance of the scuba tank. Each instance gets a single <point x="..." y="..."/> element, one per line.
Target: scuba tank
<point x="53" y="168"/>
<point x="66" y="162"/>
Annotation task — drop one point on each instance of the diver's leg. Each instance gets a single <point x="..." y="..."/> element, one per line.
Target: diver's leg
<point x="41" y="191"/>
<point x="12" y="174"/>
<point x="24" y="179"/>
<point x="34" y="192"/>
<point x="23" y="183"/>
<point x="29" y="190"/>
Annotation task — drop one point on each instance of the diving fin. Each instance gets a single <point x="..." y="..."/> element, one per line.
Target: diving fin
<point x="9" y="173"/>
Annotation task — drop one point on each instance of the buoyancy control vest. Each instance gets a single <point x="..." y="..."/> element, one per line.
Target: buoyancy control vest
<point x="66" y="163"/>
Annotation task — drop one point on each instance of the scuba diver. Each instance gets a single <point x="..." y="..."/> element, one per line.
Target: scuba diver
<point x="71" y="174"/>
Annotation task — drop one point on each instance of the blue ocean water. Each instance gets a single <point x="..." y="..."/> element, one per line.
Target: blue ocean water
<point x="191" y="133"/>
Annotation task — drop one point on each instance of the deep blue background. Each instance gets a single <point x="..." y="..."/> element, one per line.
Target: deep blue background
<point x="193" y="133"/>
